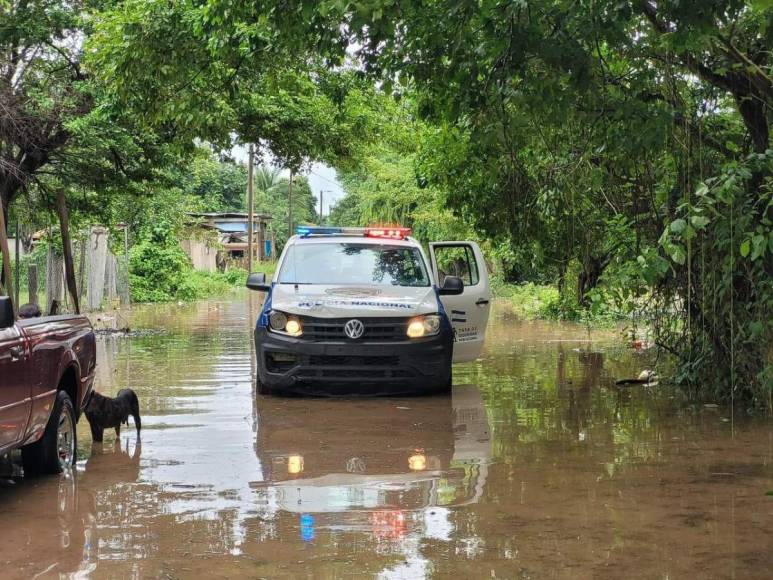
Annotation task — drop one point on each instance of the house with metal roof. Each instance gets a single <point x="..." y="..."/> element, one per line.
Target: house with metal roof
<point x="227" y="244"/>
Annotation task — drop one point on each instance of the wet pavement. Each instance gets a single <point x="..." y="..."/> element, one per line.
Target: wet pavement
<point x="536" y="466"/>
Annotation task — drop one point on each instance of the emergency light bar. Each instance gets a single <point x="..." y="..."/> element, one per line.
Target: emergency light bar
<point x="392" y="233"/>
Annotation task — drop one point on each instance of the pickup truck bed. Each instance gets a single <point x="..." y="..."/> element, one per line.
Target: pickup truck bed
<point x="42" y="361"/>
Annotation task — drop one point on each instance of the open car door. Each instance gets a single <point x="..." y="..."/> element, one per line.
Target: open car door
<point x="468" y="311"/>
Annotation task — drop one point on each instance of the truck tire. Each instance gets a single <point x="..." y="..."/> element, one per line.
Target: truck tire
<point x="56" y="450"/>
<point x="446" y="387"/>
<point x="261" y="388"/>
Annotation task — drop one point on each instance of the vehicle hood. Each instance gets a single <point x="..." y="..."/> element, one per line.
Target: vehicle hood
<point x="330" y="301"/>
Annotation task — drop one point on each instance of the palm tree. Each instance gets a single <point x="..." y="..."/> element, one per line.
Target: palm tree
<point x="267" y="179"/>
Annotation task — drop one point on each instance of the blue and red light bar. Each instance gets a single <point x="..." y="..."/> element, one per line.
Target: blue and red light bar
<point x="392" y="233"/>
<point x="388" y="232"/>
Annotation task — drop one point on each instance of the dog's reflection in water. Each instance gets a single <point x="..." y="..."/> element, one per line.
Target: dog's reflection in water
<point x="116" y="462"/>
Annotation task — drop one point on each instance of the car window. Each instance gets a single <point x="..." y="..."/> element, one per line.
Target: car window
<point x="353" y="263"/>
<point x="457" y="261"/>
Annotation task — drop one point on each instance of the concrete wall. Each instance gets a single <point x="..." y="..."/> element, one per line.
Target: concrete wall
<point x="202" y="255"/>
<point x="12" y="248"/>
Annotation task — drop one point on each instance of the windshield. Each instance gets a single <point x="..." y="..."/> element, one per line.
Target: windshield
<point x="353" y="263"/>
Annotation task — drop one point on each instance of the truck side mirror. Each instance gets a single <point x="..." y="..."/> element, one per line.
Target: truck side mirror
<point x="257" y="281"/>
<point x="6" y="312"/>
<point x="452" y="285"/>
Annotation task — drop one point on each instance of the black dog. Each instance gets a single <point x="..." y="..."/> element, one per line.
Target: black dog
<point x="106" y="413"/>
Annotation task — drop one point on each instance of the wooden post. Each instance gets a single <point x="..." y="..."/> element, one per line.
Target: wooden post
<point x="69" y="266"/>
<point x="261" y="241"/>
<point x="6" y="255"/>
<point x="250" y="208"/>
<point x="32" y="283"/>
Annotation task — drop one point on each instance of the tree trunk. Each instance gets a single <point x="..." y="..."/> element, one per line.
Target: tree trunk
<point x="588" y="279"/>
<point x="69" y="266"/>
<point x="6" y="255"/>
<point x="756" y="121"/>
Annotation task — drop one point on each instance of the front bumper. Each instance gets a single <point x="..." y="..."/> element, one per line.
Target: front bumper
<point x="337" y="367"/>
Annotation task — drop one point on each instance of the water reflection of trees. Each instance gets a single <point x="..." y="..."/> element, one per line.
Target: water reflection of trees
<point x="564" y="393"/>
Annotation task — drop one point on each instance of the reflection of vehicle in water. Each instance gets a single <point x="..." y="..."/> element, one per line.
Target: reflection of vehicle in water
<point x="379" y="464"/>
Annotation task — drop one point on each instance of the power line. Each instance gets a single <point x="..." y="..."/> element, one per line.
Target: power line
<point x="338" y="185"/>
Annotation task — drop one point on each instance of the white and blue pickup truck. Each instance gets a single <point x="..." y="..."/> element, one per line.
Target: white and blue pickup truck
<point x="362" y="311"/>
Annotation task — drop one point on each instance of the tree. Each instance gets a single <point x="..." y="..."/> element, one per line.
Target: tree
<point x="220" y="184"/>
<point x="215" y="71"/>
<point x="587" y="136"/>
<point x="272" y="197"/>
<point x="61" y="141"/>
<point x="587" y="132"/>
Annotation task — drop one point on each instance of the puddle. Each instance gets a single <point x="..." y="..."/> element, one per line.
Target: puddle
<point x="536" y="465"/>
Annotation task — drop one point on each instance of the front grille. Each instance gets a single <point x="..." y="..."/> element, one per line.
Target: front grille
<point x="376" y="329"/>
<point x="354" y="367"/>
<point x="352" y="361"/>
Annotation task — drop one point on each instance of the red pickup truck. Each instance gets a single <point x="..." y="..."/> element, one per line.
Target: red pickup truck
<point x="46" y="376"/>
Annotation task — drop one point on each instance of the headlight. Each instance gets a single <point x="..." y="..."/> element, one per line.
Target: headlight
<point x="280" y="322"/>
<point x="423" y="326"/>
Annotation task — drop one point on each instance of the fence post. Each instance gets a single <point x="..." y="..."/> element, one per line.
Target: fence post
<point x="32" y="283"/>
<point x="54" y="281"/>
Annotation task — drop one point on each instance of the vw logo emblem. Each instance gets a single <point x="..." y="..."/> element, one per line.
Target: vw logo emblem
<point x="354" y="328"/>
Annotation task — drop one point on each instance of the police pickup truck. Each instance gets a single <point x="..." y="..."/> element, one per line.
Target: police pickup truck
<point x="362" y="311"/>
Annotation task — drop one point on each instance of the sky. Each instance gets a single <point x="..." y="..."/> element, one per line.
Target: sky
<point x="322" y="178"/>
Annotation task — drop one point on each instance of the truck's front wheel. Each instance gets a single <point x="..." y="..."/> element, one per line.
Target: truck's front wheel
<point x="54" y="451"/>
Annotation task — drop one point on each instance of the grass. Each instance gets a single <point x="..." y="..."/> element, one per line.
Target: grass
<point x="543" y="301"/>
<point x="201" y="284"/>
<point x="528" y="300"/>
<point x="268" y="268"/>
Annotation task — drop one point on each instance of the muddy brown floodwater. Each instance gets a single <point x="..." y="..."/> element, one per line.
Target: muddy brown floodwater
<point x="536" y="466"/>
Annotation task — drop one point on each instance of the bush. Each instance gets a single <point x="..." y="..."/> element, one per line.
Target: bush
<point x="160" y="271"/>
<point x="158" y="267"/>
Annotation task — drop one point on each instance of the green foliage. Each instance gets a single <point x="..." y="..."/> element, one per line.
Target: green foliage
<point x="159" y="270"/>
<point x="382" y="182"/>
<point x="618" y="149"/>
<point x="528" y="300"/>
<point x="577" y="135"/>
<point x="272" y="197"/>
<point x="721" y="247"/>
<point x="215" y="70"/>
<point x="220" y="184"/>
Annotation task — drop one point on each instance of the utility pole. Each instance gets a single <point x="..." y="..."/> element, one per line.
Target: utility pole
<point x="250" y="204"/>
<point x="290" y="206"/>
<point x="322" y="192"/>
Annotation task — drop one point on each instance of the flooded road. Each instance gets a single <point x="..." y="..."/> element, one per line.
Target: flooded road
<point x="536" y="466"/>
